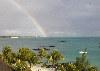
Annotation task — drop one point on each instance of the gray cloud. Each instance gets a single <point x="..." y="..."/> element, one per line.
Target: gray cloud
<point x="57" y="17"/>
<point x="13" y="21"/>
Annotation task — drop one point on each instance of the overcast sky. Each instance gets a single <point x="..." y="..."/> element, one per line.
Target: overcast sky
<point x="56" y="17"/>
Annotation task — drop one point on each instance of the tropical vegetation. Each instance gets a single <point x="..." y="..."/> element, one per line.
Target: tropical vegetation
<point x="25" y="58"/>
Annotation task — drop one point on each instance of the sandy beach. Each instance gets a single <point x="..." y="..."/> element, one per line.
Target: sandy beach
<point x="39" y="68"/>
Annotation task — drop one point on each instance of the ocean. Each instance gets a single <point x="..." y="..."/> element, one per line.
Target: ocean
<point x="68" y="46"/>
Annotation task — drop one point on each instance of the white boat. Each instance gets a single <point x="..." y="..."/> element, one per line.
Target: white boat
<point x="81" y="52"/>
<point x="14" y="37"/>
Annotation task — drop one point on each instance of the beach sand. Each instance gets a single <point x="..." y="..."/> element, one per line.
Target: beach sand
<point x="39" y="68"/>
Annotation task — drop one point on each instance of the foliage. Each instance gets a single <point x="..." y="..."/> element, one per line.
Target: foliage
<point x="42" y="53"/>
<point x="55" y="57"/>
<point x="81" y="64"/>
<point x="33" y="59"/>
<point x="20" y="60"/>
<point x="7" y="54"/>
<point x="20" y="66"/>
<point x="25" y="54"/>
<point x="13" y="59"/>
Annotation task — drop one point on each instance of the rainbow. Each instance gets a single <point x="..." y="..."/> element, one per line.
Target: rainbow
<point x="40" y="29"/>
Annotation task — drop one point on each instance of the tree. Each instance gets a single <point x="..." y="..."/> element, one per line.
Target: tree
<point x="6" y="52"/>
<point x="12" y="58"/>
<point x="25" y="54"/>
<point x="55" y="57"/>
<point x="32" y="59"/>
<point x="42" y="54"/>
<point x="20" y="66"/>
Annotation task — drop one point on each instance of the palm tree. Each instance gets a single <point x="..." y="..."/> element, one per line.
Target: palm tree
<point x="6" y="53"/>
<point x="25" y="54"/>
<point x="20" y="66"/>
<point x="82" y="61"/>
<point x="13" y="58"/>
<point x="32" y="59"/>
<point x="55" y="57"/>
<point x="42" y="54"/>
<point x="6" y="50"/>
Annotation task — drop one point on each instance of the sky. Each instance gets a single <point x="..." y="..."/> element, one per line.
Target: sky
<point x="50" y="18"/>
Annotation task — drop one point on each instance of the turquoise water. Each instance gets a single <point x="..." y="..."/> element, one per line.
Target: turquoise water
<point x="70" y="47"/>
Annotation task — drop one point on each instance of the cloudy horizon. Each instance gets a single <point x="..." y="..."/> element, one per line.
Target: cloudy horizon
<point x="53" y="18"/>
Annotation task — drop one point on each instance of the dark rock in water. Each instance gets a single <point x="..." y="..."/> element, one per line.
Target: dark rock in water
<point x="36" y="49"/>
<point x="48" y="46"/>
<point x="62" y="41"/>
<point x="52" y="46"/>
